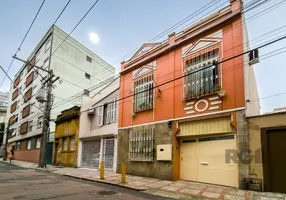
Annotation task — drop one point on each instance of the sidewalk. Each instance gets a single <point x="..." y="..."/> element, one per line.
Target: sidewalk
<point x="171" y="189"/>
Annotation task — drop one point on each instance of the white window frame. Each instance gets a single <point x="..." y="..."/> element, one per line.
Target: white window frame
<point x="72" y="138"/>
<point x="113" y="111"/>
<point x="201" y="83"/>
<point x="144" y="100"/>
<point x="40" y="122"/>
<point x="38" y="143"/>
<point x="65" y="144"/>
<point x="29" y="144"/>
<point x="99" y="115"/>
<point x="108" y="113"/>
<point x="30" y="126"/>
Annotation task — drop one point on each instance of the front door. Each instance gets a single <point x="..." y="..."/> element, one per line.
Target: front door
<point x="275" y="165"/>
<point x="108" y="153"/>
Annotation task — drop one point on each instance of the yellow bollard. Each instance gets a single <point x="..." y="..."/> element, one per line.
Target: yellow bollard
<point x="123" y="177"/>
<point x="101" y="170"/>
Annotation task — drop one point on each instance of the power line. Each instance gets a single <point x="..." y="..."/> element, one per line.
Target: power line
<point x="19" y="48"/>
<point x="252" y="17"/>
<point x="187" y="74"/>
<point x="19" y="90"/>
<point x="238" y="24"/>
<point x="180" y="23"/>
<point x="76" y="26"/>
<point x="196" y="13"/>
<point x="62" y="11"/>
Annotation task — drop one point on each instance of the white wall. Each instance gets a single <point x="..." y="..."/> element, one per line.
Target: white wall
<point x="69" y="62"/>
<point x="88" y="124"/>
<point x="41" y="56"/>
<point x="70" y="54"/>
<point x="251" y="90"/>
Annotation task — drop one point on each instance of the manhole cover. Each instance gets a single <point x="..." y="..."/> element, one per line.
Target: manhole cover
<point x="106" y="192"/>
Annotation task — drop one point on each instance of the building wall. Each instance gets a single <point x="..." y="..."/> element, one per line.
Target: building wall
<point x="41" y="54"/>
<point x="251" y="90"/>
<point x="156" y="169"/>
<point x="255" y="124"/>
<point x="32" y="155"/>
<point x="69" y="62"/>
<point x="89" y="129"/>
<point x="170" y="65"/>
<point x="66" y="129"/>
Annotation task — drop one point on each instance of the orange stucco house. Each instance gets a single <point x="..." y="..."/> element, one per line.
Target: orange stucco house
<point x="183" y="110"/>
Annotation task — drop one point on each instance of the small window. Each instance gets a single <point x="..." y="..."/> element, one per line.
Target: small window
<point x="40" y="122"/>
<point x="38" y="143"/>
<point x="88" y="59"/>
<point x="87" y="76"/>
<point x="29" y="144"/>
<point x="30" y="128"/>
<point x="65" y="144"/>
<point x="71" y="143"/>
<point x="227" y="137"/>
<point x="17" y="145"/>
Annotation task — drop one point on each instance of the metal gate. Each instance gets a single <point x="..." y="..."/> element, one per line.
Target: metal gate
<point x="90" y="154"/>
<point x="108" y="153"/>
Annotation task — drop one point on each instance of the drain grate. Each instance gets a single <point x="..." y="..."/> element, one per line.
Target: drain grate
<point x="106" y="192"/>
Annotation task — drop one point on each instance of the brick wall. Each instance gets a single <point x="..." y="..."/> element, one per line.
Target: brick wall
<point x="28" y="155"/>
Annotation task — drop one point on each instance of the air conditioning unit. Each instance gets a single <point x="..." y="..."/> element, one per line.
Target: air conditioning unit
<point x="41" y="95"/>
<point x="91" y="112"/>
<point x="253" y="57"/>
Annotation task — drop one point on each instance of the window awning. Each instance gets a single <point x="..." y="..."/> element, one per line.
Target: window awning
<point x="206" y="127"/>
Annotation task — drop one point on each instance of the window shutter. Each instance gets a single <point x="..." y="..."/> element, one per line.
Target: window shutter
<point x="99" y="116"/>
<point x="114" y="110"/>
<point x="108" y="113"/>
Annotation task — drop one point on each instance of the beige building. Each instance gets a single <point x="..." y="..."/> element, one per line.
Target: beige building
<point x="267" y="144"/>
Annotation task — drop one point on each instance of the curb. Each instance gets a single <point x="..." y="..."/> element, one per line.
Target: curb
<point x="81" y="178"/>
<point x="106" y="182"/>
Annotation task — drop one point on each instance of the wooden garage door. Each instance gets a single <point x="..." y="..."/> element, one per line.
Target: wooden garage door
<point x="203" y="160"/>
<point x="275" y="161"/>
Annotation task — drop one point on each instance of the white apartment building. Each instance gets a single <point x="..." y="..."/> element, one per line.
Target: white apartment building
<point x="3" y="106"/>
<point x="99" y="127"/>
<point x="79" y="70"/>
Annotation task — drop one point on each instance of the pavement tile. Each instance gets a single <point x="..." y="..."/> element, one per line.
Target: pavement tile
<point x="268" y="198"/>
<point x="211" y="195"/>
<point x="233" y="197"/>
<point x="190" y="191"/>
<point x="177" y="184"/>
<point x="139" y="183"/>
<point x="155" y="185"/>
<point x="214" y="189"/>
<point x="196" y="186"/>
<point x="235" y="191"/>
<point x="170" y="188"/>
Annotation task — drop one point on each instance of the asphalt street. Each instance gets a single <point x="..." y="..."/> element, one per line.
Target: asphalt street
<point x="28" y="184"/>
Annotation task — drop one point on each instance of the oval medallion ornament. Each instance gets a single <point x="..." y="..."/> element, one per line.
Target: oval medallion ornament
<point x="203" y="101"/>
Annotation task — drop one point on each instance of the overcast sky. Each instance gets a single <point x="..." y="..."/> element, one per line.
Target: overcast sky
<point x="119" y="27"/>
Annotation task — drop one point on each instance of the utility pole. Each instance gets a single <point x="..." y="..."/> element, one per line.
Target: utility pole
<point x="6" y="142"/>
<point x="46" y="119"/>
